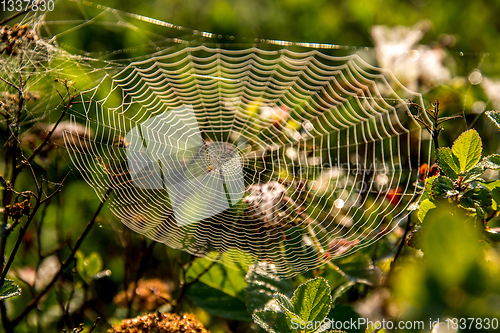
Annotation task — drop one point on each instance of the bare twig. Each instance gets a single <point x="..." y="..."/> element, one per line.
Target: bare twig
<point x="64" y="265"/>
<point x="20" y="12"/>
<point x="185" y="285"/>
<point x="59" y="188"/>
<point x="20" y="237"/>
<point x="400" y="249"/>
<point x="434" y="128"/>
<point x="146" y="255"/>
<point x="10" y="84"/>
<point x="43" y="144"/>
<point x="95" y="324"/>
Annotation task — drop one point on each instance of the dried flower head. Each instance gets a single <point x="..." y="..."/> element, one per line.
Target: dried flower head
<point x="265" y="200"/>
<point x="160" y="322"/>
<point x="18" y="209"/>
<point x="269" y="205"/>
<point x="15" y="38"/>
<point x="150" y="294"/>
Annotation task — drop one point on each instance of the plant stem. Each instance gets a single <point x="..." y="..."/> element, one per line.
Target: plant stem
<point x="185" y="286"/>
<point x="64" y="265"/>
<point x="400" y="249"/>
<point x="146" y="255"/>
<point x="20" y="13"/>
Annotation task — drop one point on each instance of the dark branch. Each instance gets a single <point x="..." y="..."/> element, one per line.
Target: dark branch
<point x="64" y="265"/>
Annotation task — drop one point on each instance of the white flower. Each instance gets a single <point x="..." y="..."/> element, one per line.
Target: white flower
<point x="492" y="90"/>
<point x="413" y="64"/>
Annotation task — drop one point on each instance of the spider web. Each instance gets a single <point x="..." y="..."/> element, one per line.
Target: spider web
<point x="242" y="152"/>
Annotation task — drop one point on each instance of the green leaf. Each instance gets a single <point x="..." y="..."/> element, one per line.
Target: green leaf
<point x="344" y="313"/>
<point x="448" y="162"/>
<point x="341" y="289"/>
<point x="492" y="234"/>
<point x="312" y="300"/>
<point x="495" y="185"/>
<point x="228" y="280"/>
<point x="473" y="173"/>
<point x="492" y="162"/>
<point x="374" y="328"/>
<point x="425" y="206"/>
<point x="217" y="303"/>
<point x="495" y="196"/>
<point x="88" y="267"/>
<point x="476" y="196"/>
<point x="494" y="117"/>
<point x="273" y="322"/>
<point x="9" y="289"/>
<point x="93" y="263"/>
<point x="220" y="291"/>
<point x="443" y="187"/>
<point x="428" y="184"/>
<point x="359" y="268"/>
<point x="467" y="148"/>
<point x="286" y="305"/>
<point x="262" y="282"/>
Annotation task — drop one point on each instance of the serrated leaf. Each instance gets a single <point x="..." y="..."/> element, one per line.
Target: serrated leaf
<point x="480" y="211"/>
<point x="494" y="117"/>
<point x="428" y="184"/>
<point x="495" y="196"/>
<point x="495" y="185"/>
<point x="473" y="173"/>
<point x="448" y="162"/>
<point x="492" y="234"/>
<point x="467" y="148"/>
<point x="425" y="206"/>
<point x="443" y="187"/>
<point x="344" y="313"/>
<point x="229" y="281"/>
<point x="359" y="268"/>
<point x="375" y="328"/>
<point x="217" y="303"/>
<point x="273" y="322"/>
<point x="312" y="300"/>
<point x="478" y="196"/>
<point x="494" y="188"/>
<point x="492" y="162"/>
<point x="287" y="307"/>
<point x="262" y="282"/>
<point x="220" y="290"/>
<point x="9" y="289"/>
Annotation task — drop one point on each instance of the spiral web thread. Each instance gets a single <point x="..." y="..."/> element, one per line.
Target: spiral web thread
<point x="250" y="153"/>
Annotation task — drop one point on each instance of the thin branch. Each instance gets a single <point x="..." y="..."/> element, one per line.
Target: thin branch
<point x="95" y="324"/>
<point x="142" y="267"/>
<point x="400" y="249"/>
<point x="59" y="188"/>
<point x="38" y="187"/>
<point x="5" y="320"/>
<point x="20" y="237"/>
<point x="20" y="13"/>
<point x="185" y="286"/>
<point x="64" y="265"/>
<point x="10" y="84"/>
<point x="42" y="145"/>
